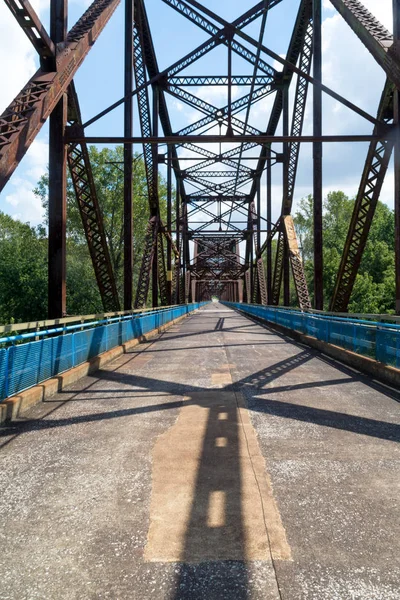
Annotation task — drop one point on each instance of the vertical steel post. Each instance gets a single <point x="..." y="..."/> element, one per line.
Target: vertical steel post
<point x="317" y="158"/>
<point x="155" y="207"/>
<point x="252" y="277"/>
<point x="183" y="250"/>
<point x="258" y="213"/>
<point x="258" y="236"/>
<point x="229" y="130"/>
<point x="396" y="41"/>
<point x="128" y="158"/>
<point x="57" y="181"/>
<point x="177" y="217"/>
<point x="285" y="129"/>
<point x="169" y="222"/>
<point x="269" y="226"/>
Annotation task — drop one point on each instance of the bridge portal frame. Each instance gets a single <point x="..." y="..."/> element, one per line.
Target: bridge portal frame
<point x="50" y="93"/>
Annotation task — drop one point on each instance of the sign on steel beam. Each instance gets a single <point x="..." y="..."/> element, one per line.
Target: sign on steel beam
<point x="23" y="119"/>
<point x="296" y="262"/>
<point x="92" y="219"/>
<point x="377" y="39"/>
<point x="372" y="179"/>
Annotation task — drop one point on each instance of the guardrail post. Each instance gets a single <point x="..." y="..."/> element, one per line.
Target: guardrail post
<point x="6" y="382"/>
<point x="73" y="350"/>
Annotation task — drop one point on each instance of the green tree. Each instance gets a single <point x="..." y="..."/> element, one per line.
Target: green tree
<point x="107" y="167"/>
<point x="374" y="288"/>
<point x="23" y="271"/>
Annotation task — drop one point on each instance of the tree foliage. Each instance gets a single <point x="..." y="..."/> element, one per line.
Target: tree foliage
<point x="23" y="249"/>
<point x="107" y="168"/>
<point x="23" y="271"/>
<point x="374" y="288"/>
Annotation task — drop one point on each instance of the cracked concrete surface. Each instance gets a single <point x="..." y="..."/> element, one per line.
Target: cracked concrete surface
<point x="76" y="475"/>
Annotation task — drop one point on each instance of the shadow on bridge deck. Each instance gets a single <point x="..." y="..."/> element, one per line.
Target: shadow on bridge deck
<point x="147" y="479"/>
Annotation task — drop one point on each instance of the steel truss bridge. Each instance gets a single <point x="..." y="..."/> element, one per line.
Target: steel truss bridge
<point x="217" y="237"/>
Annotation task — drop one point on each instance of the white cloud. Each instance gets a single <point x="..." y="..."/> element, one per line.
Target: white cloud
<point x="18" y="199"/>
<point x="19" y="62"/>
<point x="17" y="56"/>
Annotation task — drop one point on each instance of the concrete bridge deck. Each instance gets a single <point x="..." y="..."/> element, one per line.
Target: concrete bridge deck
<point x="220" y="461"/>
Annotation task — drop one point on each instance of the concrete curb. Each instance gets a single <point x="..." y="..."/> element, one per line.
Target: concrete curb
<point x="369" y="366"/>
<point x="15" y="406"/>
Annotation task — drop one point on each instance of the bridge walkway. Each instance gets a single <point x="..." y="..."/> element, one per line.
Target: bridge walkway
<point x="218" y="461"/>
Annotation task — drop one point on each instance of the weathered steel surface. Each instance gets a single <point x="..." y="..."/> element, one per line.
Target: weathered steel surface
<point x="23" y="119"/>
<point x="372" y="179"/>
<point x="296" y="263"/>
<point x="92" y="218"/>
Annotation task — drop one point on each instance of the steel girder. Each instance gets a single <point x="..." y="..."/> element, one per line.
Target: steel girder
<point x="92" y="220"/>
<point x="372" y="179"/>
<point x="162" y="272"/>
<point x="214" y="80"/>
<point x="150" y="245"/>
<point x="77" y="157"/>
<point x="296" y="46"/>
<point x="373" y="35"/>
<point x="278" y="270"/>
<point x="260" y="285"/>
<point x="221" y="114"/>
<point x="296" y="262"/>
<point x="23" y="119"/>
<point x="25" y="116"/>
<point x="37" y="34"/>
<point x="300" y="49"/>
<point x="201" y="21"/>
<point x="144" y="112"/>
<point x="287" y="236"/>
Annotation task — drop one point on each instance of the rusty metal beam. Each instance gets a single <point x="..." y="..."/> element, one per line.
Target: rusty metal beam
<point x="24" y="117"/>
<point x="317" y="159"/>
<point x="296" y="263"/>
<point x="377" y="39"/>
<point x="128" y="158"/>
<point x="57" y="246"/>
<point x="149" y="249"/>
<point x="372" y="179"/>
<point x="75" y="136"/>
<point x="278" y="270"/>
<point x="92" y="219"/>
<point x="35" y="31"/>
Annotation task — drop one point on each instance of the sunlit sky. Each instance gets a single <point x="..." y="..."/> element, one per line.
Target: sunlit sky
<point x="348" y="68"/>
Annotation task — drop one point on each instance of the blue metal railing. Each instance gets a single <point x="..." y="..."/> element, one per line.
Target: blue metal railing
<point x="27" y="364"/>
<point x="380" y="341"/>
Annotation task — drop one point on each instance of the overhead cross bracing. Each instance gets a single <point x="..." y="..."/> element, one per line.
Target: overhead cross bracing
<point x="219" y="122"/>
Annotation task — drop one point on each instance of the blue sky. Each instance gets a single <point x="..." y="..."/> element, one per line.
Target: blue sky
<point x="348" y="68"/>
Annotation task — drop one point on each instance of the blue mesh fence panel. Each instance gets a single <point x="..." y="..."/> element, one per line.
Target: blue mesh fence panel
<point x="365" y="340"/>
<point x="114" y="335"/>
<point x="23" y="364"/>
<point x="56" y="356"/>
<point x="3" y="373"/>
<point x="27" y="364"/>
<point x="83" y="340"/>
<point x="375" y="340"/>
<point x="387" y="347"/>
